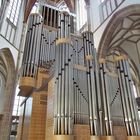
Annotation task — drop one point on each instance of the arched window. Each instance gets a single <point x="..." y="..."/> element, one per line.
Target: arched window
<point x="81" y="14"/>
<point x="13" y="12"/>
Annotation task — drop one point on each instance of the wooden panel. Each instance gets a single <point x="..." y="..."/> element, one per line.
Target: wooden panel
<point x="94" y="138"/>
<point x="38" y="118"/>
<point x="120" y="133"/>
<point x="81" y="132"/>
<point x="107" y="138"/>
<point x="27" y="84"/>
<point x="50" y="104"/>
<point x="63" y="137"/>
<point x="133" y="137"/>
<point x="27" y="118"/>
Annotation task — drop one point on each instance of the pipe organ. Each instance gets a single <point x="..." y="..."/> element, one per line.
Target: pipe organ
<point x="127" y="97"/>
<point x="31" y="55"/>
<point x="82" y="93"/>
<point x="50" y="16"/>
<point x="63" y="114"/>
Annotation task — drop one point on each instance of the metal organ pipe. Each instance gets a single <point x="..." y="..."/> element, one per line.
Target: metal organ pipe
<point x="30" y="56"/>
<point x="106" y="104"/>
<point x="127" y="96"/>
<point x="64" y="91"/>
<point x="99" y="99"/>
<point x="134" y="105"/>
<point x="91" y="82"/>
<point x="123" y="100"/>
<point x="131" y="97"/>
<point x="75" y="98"/>
<point x="79" y="87"/>
<point x="122" y="76"/>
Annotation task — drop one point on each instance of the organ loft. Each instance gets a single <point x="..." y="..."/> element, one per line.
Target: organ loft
<point x="72" y="89"/>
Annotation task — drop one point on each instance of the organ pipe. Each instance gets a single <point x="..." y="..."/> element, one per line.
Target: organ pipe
<point x="30" y="61"/>
<point x="91" y="82"/>
<point x="128" y="101"/>
<point x="31" y="55"/>
<point x="105" y="95"/>
<point x="64" y="81"/>
<point x="81" y="82"/>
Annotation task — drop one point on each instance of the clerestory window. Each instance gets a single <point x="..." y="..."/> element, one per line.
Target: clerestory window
<point x="13" y="12"/>
<point x="81" y="14"/>
<point x="107" y="7"/>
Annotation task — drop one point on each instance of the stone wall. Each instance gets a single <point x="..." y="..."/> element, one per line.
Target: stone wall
<point x="9" y="93"/>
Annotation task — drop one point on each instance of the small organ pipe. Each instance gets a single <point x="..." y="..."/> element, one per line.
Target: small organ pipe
<point x="126" y="97"/>
<point x="129" y="96"/>
<point x="30" y="57"/>
<point x="104" y="99"/>
<point x="107" y="102"/>
<point x="123" y="100"/>
<point x="132" y="98"/>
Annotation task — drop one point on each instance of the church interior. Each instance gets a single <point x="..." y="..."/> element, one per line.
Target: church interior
<point x="69" y="70"/>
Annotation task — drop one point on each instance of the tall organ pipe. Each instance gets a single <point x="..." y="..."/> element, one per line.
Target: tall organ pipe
<point x="105" y="95"/>
<point x="132" y="102"/>
<point x="91" y="82"/>
<point x="132" y="126"/>
<point x="122" y="76"/>
<point x="136" y="119"/>
<point x="123" y="100"/>
<point x="64" y="87"/>
<point x="30" y="56"/>
<point x="127" y="96"/>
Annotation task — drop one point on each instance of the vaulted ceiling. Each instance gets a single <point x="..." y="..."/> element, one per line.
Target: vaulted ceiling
<point x="127" y="37"/>
<point x="128" y="30"/>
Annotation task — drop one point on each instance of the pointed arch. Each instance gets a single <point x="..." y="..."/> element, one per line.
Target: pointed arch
<point x="9" y="71"/>
<point x="113" y="23"/>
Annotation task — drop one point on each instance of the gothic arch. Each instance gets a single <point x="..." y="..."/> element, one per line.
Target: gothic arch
<point x="113" y="23"/>
<point x="111" y="38"/>
<point x="9" y="94"/>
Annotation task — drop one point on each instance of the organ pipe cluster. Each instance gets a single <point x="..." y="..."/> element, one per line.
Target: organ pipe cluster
<point x="92" y="89"/>
<point x="82" y="93"/>
<point x="63" y="106"/>
<point x="32" y="46"/>
<point x="127" y="97"/>
<point x="79" y="86"/>
<point x="105" y="99"/>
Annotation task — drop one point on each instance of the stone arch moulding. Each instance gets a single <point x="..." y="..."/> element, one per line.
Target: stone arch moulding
<point x="9" y="92"/>
<point x="119" y="15"/>
<point x="8" y="59"/>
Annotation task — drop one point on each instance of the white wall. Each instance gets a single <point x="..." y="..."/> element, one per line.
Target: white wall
<point x="4" y="43"/>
